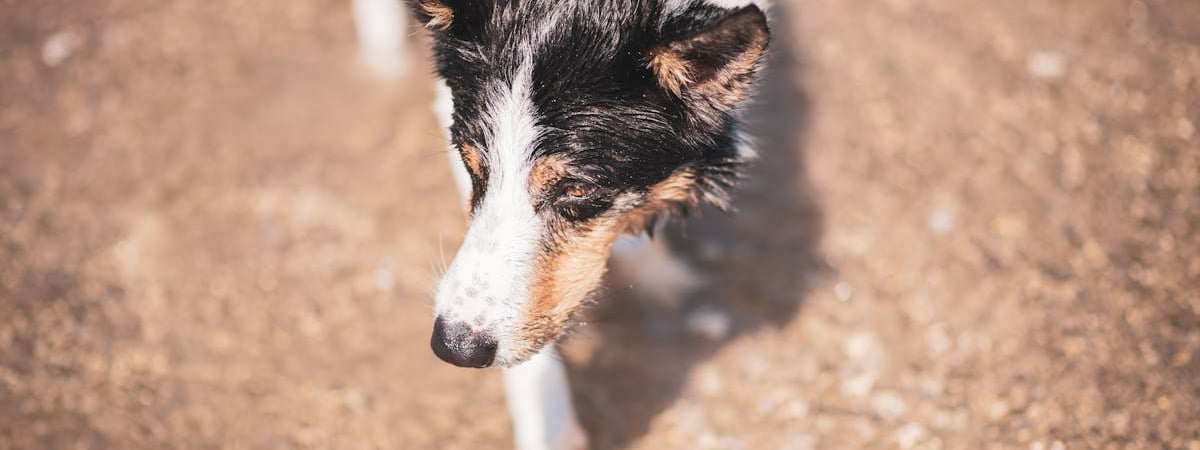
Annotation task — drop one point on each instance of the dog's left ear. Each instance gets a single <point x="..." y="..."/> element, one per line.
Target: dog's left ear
<point x="717" y="64"/>
<point x="436" y="15"/>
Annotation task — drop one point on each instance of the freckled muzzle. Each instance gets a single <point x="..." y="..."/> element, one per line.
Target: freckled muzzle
<point x="456" y="343"/>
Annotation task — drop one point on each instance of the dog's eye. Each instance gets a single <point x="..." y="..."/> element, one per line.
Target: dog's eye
<point x="580" y="200"/>
<point x="577" y="190"/>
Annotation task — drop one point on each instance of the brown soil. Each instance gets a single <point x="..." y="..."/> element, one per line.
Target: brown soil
<point x="975" y="224"/>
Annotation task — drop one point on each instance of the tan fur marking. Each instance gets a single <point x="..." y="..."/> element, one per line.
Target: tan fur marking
<point x="440" y="15"/>
<point x="473" y="159"/>
<point x="726" y="88"/>
<point x="731" y="85"/>
<point x="672" y="71"/>
<point x="676" y="191"/>
<point x="568" y="273"/>
<point x="545" y="173"/>
<point x="564" y="278"/>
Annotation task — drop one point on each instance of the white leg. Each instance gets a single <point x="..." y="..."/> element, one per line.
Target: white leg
<point x="380" y="26"/>
<point x="650" y="267"/>
<point x="539" y="400"/>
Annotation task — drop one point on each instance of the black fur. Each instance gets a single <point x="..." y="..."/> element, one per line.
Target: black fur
<point x="595" y="97"/>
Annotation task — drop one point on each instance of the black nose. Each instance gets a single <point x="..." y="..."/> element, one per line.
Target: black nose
<point x="456" y="344"/>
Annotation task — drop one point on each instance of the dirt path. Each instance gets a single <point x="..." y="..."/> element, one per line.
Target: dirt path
<point x="975" y="226"/>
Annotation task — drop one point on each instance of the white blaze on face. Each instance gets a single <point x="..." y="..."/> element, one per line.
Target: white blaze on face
<point x="487" y="285"/>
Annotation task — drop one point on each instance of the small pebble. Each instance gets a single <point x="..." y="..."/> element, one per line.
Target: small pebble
<point x="690" y="419"/>
<point x="1047" y="64"/>
<point x="355" y="400"/>
<point x="800" y="442"/>
<point x="937" y="339"/>
<point x="1119" y="423"/>
<point x="709" y="381"/>
<point x="795" y="409"/>
<point x="710" y="323"/>
<point x="58" y="47"/>
<point x="384" y="280"/>
<point x="909" y="435"/>
<point x="941" y="221"/>
<point x="889" y="405"/>
<point x="998" y="409"/>
<point x="861" y="345"/>
<point x="843" y="291"/>
<point x="858" y="384"/>
<point x="1184" y="128"/>
<point x="712" y="250"/>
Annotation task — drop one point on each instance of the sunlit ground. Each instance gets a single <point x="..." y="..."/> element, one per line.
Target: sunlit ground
<point x="974" y="225"/>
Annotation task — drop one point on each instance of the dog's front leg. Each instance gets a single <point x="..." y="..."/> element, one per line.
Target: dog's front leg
<point x="539" y="400"/>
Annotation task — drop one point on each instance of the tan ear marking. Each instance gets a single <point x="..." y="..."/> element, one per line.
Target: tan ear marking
<point x="717" y="65"/>
<point x="440" y="15"/>
<point x="731" y="85"/>
<point x="672" y="71"/>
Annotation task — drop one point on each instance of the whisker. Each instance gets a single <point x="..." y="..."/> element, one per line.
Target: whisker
<point x="442" y="253"/>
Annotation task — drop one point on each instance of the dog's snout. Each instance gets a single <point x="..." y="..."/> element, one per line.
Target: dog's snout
<point x="456" y="343"/>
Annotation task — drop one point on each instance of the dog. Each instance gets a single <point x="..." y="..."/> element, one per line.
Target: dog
<point x="571" y="124"/>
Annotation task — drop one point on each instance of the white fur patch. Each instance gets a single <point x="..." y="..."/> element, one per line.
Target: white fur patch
<point x="487" y="285"/>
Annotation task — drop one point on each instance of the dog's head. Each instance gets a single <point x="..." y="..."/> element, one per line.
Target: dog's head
<point x="577" y="121"/>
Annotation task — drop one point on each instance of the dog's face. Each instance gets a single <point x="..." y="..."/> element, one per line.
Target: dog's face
<point x="577" y="122"/>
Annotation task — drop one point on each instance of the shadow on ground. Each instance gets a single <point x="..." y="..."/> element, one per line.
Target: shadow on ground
<point x="758" y="263"/>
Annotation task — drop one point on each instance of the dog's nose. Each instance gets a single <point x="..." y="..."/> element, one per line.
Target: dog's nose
<point x="456" y="344"/>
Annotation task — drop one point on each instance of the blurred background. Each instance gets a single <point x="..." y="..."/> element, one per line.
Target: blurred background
<point x="975" y="224"/>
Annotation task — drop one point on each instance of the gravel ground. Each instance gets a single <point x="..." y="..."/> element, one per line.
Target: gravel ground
<point x="975" y="225"/>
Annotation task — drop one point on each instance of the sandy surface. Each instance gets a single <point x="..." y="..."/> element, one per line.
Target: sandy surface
<point x="975" y="224"/>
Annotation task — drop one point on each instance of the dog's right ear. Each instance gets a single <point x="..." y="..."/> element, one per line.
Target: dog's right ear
<point x="715" y="65"/>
